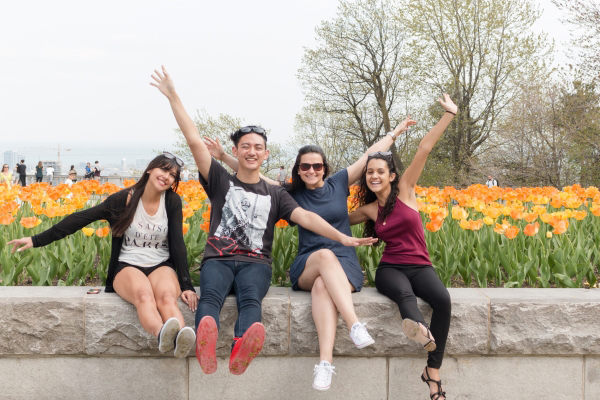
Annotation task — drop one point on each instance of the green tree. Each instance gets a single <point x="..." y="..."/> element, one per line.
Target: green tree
<point x="357" y="70"/>
<point x="478" y="51"/>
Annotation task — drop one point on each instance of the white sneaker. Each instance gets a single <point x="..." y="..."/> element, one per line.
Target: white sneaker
<point x="184" y="342"/>
<point x="167" y="334"/>
<point x="323" y="373"/>
<point x="360" y="336"/>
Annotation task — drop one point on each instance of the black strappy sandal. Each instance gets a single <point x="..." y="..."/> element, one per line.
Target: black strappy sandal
<point x="439" y="392"/>
<point x="412" y="330"/>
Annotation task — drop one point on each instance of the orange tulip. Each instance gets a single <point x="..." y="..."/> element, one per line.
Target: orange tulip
<point x="595" y="210"/>
<point x="30" y="222"/>
<point x="560" y="227"/>
<point x="434" y="225"/>
<point x="530" y="217"/>
<point x="187" y="212"/>
<point x="531" y="229"/>
<point x="282" y="223"/>
<point x="516" y="214"/>
<point x="102" y="232"/>
<point x="579" y="215"/>
<point x="511" y="232"/>
<point x="459" y="213"/>
<point x="6" y="219"/>
<point x="205" y="226"/>
<point x="185" y="228"/>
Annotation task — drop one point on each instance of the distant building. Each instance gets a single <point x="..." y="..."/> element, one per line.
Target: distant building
<point x="54" y="164"/>
<point x="11" y="158"/>
<point x="141" y="163"/>
<point x="123" y="164"/>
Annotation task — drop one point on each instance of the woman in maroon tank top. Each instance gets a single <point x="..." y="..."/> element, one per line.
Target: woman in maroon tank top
<point x="389" y="210"/>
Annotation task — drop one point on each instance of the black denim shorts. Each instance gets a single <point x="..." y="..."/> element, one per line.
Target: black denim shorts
<point x="146" y="270"/>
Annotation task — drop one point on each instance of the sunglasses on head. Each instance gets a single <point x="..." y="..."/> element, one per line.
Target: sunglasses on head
<point x="307" y="166"/>
<point x="254" y="129"/>
<point x="171" y="156"/>
<point x="380" y="154"/>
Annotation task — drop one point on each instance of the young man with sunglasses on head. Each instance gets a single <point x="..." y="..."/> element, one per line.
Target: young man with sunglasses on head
<point x="244" y="210"/>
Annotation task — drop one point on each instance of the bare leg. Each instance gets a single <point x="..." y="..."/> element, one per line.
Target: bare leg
<point x="133" y="286"/>
<point x="325" y="264"/>
<point x="325" y="316"/>
<point x="166" y="291"/>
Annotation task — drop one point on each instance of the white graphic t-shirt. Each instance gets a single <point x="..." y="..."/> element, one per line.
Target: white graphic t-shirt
<point x="145" y="242"/>
<point x="243" y="216"/>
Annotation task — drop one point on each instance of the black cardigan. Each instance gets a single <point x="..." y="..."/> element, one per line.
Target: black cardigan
<point x="110" y="210"/>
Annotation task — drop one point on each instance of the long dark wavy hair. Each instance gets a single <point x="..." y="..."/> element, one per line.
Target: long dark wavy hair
<point x="297" y="182"/>
<point x="137" y="191"/>
<point x="367" y="196"/>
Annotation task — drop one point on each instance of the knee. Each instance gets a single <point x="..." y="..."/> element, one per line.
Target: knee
<point x="319" y="288"/>
<point x="166" y="299"/>
<point x="325" y="258"/>
<point x="144" y="297"/>
<point x="442" y="302"/>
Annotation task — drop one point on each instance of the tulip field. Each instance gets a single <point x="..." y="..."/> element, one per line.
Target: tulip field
<point x="478" y="236"/>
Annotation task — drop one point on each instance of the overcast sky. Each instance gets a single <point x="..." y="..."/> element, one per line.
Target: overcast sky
<point x="74" y="71"/>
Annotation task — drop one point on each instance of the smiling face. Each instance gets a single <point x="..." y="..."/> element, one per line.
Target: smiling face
<point x="5" y="168"/>
<point x="162" y="178"/>
<point x="378" y="175"/>
<point x="311" y="177"/>
<point x="251" y="151"/>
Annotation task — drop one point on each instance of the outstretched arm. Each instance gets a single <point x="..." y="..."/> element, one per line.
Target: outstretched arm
<point x="413" y="172"/>
<point x="187" y="126"/>
<point x="384" y="144"/>
<point x="216" y="150"/>
<point x="313" y="222"/>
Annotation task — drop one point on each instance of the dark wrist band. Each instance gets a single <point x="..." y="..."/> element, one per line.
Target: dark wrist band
<point x="450" y="112"/>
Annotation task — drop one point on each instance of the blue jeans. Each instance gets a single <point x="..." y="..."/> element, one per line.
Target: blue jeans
<point x="250" y="283"/>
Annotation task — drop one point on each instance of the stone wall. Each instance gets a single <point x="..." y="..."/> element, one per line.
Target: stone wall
<point x="59" y="342"/>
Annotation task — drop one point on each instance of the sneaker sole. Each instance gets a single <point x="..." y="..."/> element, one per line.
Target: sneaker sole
<point x="206" y="344"/>
<point x="184" y="342"/>
<point x="168" y="334"/>
<point x="321" y="388"/>
<point x="252" y="344"/>
<point x="412" y="330"/>
<point x="365" y="344"/>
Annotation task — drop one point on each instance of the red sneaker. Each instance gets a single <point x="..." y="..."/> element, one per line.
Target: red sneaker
<point x="206" y="344"/>
<point x="247" y="348"/>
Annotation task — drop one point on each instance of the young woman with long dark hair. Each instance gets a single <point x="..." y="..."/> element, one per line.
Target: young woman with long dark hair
<point x="390" y="212"/>
<point x="148" y="263"/>
<point x="326" y="268"/>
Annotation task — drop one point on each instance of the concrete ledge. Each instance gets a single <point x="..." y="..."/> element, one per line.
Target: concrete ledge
<point x="59" y="342"/>
<point x="67" y="321"/>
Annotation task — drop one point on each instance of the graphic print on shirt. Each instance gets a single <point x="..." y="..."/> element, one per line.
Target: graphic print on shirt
<point x="243" y="223"/>
<point x="146" y="235"/>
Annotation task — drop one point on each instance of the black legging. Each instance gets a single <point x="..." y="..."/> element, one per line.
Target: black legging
<point x="402" y="283"/>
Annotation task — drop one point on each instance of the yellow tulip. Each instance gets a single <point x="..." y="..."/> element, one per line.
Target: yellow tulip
<point x="87" y="231"/>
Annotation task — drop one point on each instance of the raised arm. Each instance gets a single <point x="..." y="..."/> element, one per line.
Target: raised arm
<point x="384" y="144"/>
<point x="363" y="213"/>
<point x="313" y="222"/>
<point x="216" y="150"/>
<point x="187" y="126"/>
<point x="409" y="179"/>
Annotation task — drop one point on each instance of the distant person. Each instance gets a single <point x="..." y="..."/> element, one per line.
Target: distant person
<point x="22" y="168"/>
<point x="15" y="174"/>
<point x="50" y="174"/>
<point x="97" y="170"/>
<point x="491" y="182"/>
<point x="71" y="178"/>
<point x="6" y="176"/>
<point x="185" y="174"/>
<point x="282" y="175"/>
<point x="88" y="172"/>
<point x="39" y="172"/>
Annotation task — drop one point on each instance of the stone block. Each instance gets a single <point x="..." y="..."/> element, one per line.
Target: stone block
<point x="290" y="378"/>
<point x="491" y="377"/>
<point x="544" y="321"/>
<point x="41" y="320"/>
<point x="68" y="378"/>
<point x="468" y="330"/>
<point x="112" y="327"/>
<point x="592" y="378"/>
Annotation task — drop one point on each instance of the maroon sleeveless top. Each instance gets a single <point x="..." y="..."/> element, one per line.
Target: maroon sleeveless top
<point x="403" y="235"/>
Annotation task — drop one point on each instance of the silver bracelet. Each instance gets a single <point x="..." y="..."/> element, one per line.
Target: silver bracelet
<point x="392" y="135"/>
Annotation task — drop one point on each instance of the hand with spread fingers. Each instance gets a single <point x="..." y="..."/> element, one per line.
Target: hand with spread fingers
<point x="215" y="148"/>
<point x="21" y="244"/>
<point x="164" y="83"/>
<point x="448" y="104"/>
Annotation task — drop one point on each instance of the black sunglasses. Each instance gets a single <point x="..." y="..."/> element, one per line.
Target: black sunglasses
<point x="252" y="128"/>
<point x="178" y="160"/>
<point x="380" y="154"/>
<point x="307" y="166"/>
